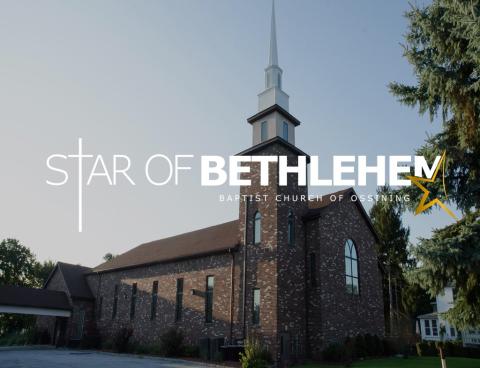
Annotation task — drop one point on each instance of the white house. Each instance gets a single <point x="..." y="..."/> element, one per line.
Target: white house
<point x="431" y="324"/>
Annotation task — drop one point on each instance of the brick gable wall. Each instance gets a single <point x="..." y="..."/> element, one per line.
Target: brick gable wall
<point x="333" y="313"/>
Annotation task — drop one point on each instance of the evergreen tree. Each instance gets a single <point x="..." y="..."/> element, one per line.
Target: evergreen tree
<point x="392" y="254"/>
<point x="443" y="46"/>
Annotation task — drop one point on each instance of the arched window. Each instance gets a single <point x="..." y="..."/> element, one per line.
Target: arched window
<point x="291" y="229"/>
<point x="257" y="228"/>
<point x="351" y="267"/>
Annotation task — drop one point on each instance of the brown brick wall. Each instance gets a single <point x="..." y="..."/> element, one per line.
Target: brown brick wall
<point x="304" y="317"/>
<point x="334" y="314"/>
<point x="145" y="330"/>
<point x="274" y="267"/>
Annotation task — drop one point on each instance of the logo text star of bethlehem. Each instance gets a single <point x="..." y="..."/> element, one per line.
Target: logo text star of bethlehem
<point x="160" y="170"/>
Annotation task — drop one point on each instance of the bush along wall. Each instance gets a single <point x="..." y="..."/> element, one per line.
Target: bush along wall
<point x="358" y="347"/>
<point x="450" y="349"/>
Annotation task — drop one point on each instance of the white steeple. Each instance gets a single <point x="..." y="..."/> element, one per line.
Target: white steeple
<point x="273" y="60"/>
<point x="273" y="93"/>
<point x="273" y="119"/>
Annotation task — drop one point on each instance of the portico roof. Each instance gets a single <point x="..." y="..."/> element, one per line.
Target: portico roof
<point x="23" y="300"/>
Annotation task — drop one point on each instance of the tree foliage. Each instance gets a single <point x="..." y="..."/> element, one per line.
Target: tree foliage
<point x="443" y="47"/>
<point x="393" y="235"/>
<point x="19" y="267"/>
<point x="453" y="255"/>
<point x="17" y="264"/>
<point x="392" y="249"/>
<point x="108" y="257"/>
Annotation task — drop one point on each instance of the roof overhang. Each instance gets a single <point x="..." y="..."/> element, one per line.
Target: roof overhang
<point x="252" y="150"/>
<point x="14" y="309"/>
<point x="271" y="109"/>
<point x="229" y="249"/>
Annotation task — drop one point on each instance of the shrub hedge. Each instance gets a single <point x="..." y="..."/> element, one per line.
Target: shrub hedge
<point x="450" y="348"/>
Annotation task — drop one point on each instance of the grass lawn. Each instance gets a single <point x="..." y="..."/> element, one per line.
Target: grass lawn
<point x="424" y="362"/>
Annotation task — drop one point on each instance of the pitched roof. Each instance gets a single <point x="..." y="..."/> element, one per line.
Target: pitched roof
<point x="269" y="110"/>
<point x="35" y="298"/>
<point x="74" y="276"/>
<point x="205" y="241"/>
<point x="327" y="199"/>
<point x="276" y="139"/>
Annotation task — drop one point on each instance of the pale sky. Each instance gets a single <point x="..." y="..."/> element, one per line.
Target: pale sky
<point x="181" y="77"/>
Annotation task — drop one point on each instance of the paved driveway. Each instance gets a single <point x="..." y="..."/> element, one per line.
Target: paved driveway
<point x="84" y="359"/>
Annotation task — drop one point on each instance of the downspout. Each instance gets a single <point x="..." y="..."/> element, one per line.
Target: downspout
<point x="307" y="294"/>
<point x="244" y="294"/>
<point x="232" y="293"/>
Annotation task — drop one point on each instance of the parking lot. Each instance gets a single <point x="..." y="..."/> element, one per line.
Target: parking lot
<point x="60" y="358"/>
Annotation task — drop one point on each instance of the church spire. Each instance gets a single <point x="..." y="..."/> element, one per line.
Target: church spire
<point x="273" y="60"/>
<point x="273" y="94"/>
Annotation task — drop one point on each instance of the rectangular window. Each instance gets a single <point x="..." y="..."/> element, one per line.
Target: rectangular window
<point x="153" y="311"/>
<point x="100" y="305"/>
<point x="313" y="269"/>
<point x="209" y="299"/>
<point x="434" y="327"/>
<point x="285" y="131"/>
<point x="179" y="301"/>
<point x="452" y="332"/>
<point x="115" y="302"/>
<point x="428" y="332"/>
<point x="264" y="131"/>
<point x="133" y="300"/>
<point x="256" y="307"/>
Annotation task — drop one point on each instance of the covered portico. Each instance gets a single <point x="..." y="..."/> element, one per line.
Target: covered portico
<point x="38" y="302"/>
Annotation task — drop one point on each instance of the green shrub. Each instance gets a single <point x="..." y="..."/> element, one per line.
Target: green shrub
<point x="379" y="346"/>
<point x="91" y="342"/>
<point x="450" y="349"/>
<point x="121" y="340"/>
<point x="360" y="346"/>
<point x="369" y="345"/>
<point x="254" y="355"/>
<point x="171" y="343"/>
<point x="334" y="353"/>
<point x="191" y="351"/>
<point x="107" y="345"/>
<point x="26" y="337"/>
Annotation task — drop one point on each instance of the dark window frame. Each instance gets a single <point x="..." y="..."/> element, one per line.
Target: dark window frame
<point x="428" y="331"/>
<point x="264" y="131"/>
<point x="285" y="131"/>
<point x="291" y="229"/>
<point x="153" y="307"/>
<point x="179" y="300"/>
<point x="115" y="301"/>
<point x="434" y="327"/>
<point x="133" y="300"/>
<point x="209" y="298"/>
<point x="257" y="226"/>
<point x="256" y="306"/>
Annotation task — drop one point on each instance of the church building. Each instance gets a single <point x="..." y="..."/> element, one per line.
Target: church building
<point x="298" y="275"/>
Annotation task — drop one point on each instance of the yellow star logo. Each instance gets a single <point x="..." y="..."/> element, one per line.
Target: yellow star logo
<point x="418" y="180"/>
